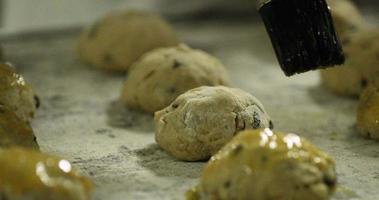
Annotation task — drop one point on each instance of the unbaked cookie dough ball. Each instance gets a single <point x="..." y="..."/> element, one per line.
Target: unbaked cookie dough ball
<point x="262" y="165"/>
<point x="201" y="121"/>
<point x="368" y="111"/>
<point x="163" y="74"/>
<point x="346" y="16"/>
<point x="27" y="174"/>
<point x="16" y="94"/>
<point x="14" y="131"/>
<point x="120" y="38"/>
<point x="361" y="66"/>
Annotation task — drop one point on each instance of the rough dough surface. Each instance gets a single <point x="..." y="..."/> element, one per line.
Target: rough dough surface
<point x="164" y="74"/>
<point x="27" y="174"/>
<point x="201" y="121"/>
<point x="368" y="111"/>
<point x="16" y="94"/>
<point x="119" y="39"/>
<point x="262" y="165"/>
<point x="361" y="66"/>
<point x="14" y="131"/>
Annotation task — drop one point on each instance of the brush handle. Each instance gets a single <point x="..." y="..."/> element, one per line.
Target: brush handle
<point x="260" y="3"/>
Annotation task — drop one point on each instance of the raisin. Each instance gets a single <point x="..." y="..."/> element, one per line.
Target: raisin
<point x="364" y="82"/>
<point x="37" y="101"/>
<point x="271" y="125"/>
<point x="256" y="121"/>
<point x="227" y="184"/>
<point x="176" y="64"/>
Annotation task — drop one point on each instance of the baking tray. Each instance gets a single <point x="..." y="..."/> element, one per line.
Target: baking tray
<point x="81" y="120"/>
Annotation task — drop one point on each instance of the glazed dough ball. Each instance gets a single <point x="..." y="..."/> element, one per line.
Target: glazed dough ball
<point x="119" y="39"/>
<point x="14" y="131"/>
<point x="16" y="94"/>
<point x="361" y="66"/>
<point x="27" y="174"/>
<point x="262" y="165"/>
<point x="163" y="74"/>
<point x="346" y="16"/>
<point x="368" y="111"/>
<point x="199" y="122"/>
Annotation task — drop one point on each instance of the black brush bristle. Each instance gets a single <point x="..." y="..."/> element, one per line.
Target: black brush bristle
<point x="302" y="34"/>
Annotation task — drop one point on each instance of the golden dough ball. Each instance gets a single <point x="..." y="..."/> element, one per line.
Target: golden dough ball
<point x="28" y="174"/>
<point x="368" y="111"/>
<point x="16" y="94"/>
<point x="165" y="73"/>
<point x="14" y="131"/>
<point x="120" y="38"/>
<point x="202" y="120"/>
<point x="262" y="165"/>
<point x="361" y="66"/>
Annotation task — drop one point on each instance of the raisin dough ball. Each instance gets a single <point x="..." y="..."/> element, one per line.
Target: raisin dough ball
<point x="14" y="131"/>
<point x="27" y="174"/>
<point x="361" y="66"/>
<point x="119" y="39"/>
<point x="368" y="111"/>
<point x="262" y="165"/>
<point x="165" y="73"/>
<point x="199" y="122"/>
<point x="16" y="94"/>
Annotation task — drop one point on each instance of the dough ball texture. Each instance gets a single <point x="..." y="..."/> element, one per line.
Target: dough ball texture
<point x="14" y="131"/>
<point x="27" y="174"/>
<point x="368" y="111"/>
<point x="346" y="16"/>
<point x="361" y="66"/>
<point x="262" y="165"/>
<point x="163" y="74"/>
<point x="201" y="121"/>
<point x="16" y="94"/>
<point x="120" y="38"/>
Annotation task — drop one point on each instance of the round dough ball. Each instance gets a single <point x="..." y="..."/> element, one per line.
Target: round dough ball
<point x="163" y="74"/>
<point x="201" y="121"/>
<point x="262" y="165"/>
<point x="14" y="131"/>
<point x="16" y="94"/>
<point x="346" y="16"/>
<point x="361" y="66"/>
<point x="119" y="39"/>
<point x="368" y="111"/>
<point x="27" y="174"/>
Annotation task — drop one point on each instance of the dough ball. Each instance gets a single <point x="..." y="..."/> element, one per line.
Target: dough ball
<point x="368" y="111"/>
<point x="163" y="74"/>
<point x="361" y="66"/>
<point x="201" y="121"/>
<point x="119" y="39"/>
<point x="27" y="174"/>
<point x="14" y="131"/>
<point x="16" y="94"/>
<point x="346" y="16"/>
<point x="262" y="165"/>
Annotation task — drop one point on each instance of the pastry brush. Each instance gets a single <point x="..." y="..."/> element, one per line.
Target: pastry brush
<point x="302" y="34"/>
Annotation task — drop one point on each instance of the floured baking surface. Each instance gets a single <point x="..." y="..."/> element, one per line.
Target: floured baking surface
<point x="80" y="120"/>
